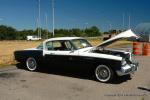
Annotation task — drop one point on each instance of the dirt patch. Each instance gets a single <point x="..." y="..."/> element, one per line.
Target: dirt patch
<point x="25" y="86"/>
<point x="22" y="80"/>
<point x="8" y="75"/>
<point x="77" y="88"/>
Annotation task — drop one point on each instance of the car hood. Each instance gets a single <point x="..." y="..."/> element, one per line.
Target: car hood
<point x="124" y="35"/>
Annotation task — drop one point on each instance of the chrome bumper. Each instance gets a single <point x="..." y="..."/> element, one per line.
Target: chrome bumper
<point x="128" y="69"/>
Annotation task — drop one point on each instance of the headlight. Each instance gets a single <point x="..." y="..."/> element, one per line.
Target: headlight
<point x="123" y="62"/>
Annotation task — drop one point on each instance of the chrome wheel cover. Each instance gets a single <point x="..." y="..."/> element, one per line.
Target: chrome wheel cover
<point x="31" y="64"/>
<point x="103" y="73"/>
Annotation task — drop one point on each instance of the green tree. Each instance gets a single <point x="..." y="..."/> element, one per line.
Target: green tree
<point x="7" y="33"/>
<point x="93" y="31"/>
<point x="76" y="32"/>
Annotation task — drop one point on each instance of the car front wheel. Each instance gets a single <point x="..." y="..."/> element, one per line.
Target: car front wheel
<point x="31" y="64"/>
<point x="104" y="73"/>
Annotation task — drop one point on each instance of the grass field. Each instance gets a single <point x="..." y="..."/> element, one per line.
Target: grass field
<point x="8" y="47"/>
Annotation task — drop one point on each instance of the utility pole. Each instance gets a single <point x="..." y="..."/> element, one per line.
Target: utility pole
<point x="37" y="25"/>
<point x="129" y="21"/>
<point x="123" y="21"/>
<point x="86" y="25"/>
<point x="46" y="25"/>
<point x="110" y="27"/>
<point x="53" y="11"/>
<point x="39" y="20"/>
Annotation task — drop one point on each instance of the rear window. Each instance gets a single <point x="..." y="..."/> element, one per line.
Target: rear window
<point x="40" y="46"/>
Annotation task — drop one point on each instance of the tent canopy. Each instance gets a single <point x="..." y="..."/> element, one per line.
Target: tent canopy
<point x="143" y="30"/>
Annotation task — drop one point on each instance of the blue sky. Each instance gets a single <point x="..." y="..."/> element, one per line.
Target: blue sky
<point x="22" y="14"/>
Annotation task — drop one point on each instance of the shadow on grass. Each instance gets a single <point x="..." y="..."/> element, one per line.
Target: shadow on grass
<point x="86" y="74"/>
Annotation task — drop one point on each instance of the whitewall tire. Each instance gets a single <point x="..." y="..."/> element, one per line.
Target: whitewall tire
<point x="31" y="64"/>
<point x="104" y="73"/>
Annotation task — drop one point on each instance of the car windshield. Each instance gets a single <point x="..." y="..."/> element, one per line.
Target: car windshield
<point x="81" y="43"/>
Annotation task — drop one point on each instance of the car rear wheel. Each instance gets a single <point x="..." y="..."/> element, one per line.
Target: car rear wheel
<point x="104" y="73"/>
<point x="31" y="64"/>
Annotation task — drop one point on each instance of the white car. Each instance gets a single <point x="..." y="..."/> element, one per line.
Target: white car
<point x="78" y="52"/>
<point x="33" y="38"/>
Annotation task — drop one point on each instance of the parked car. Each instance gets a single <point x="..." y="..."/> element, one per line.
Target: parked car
<point x="104" y="63"/>
<point x="33" y="38"/>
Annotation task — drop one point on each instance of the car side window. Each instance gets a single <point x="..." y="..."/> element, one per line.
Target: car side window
<point x="59" y="46"/>
<point x="62" y="45"/>
<point x="49" y="46"/>
<point x="68" y="45"/>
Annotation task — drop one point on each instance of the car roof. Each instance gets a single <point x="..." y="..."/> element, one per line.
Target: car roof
<point x="64" y="38"/>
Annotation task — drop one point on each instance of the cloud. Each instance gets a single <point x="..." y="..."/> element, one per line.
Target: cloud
<point x="1" y="19"/>
<point x="86" y="23"/>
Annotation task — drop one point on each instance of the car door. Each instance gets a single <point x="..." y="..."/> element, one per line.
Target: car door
<point x="58" y="52"/>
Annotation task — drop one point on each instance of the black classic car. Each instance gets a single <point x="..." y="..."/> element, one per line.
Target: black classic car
<point x="104" y="63"/>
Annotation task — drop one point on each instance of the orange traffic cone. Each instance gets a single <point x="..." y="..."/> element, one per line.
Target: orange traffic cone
<point x="146" y="49"/>
<point x="136" y="48"/>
